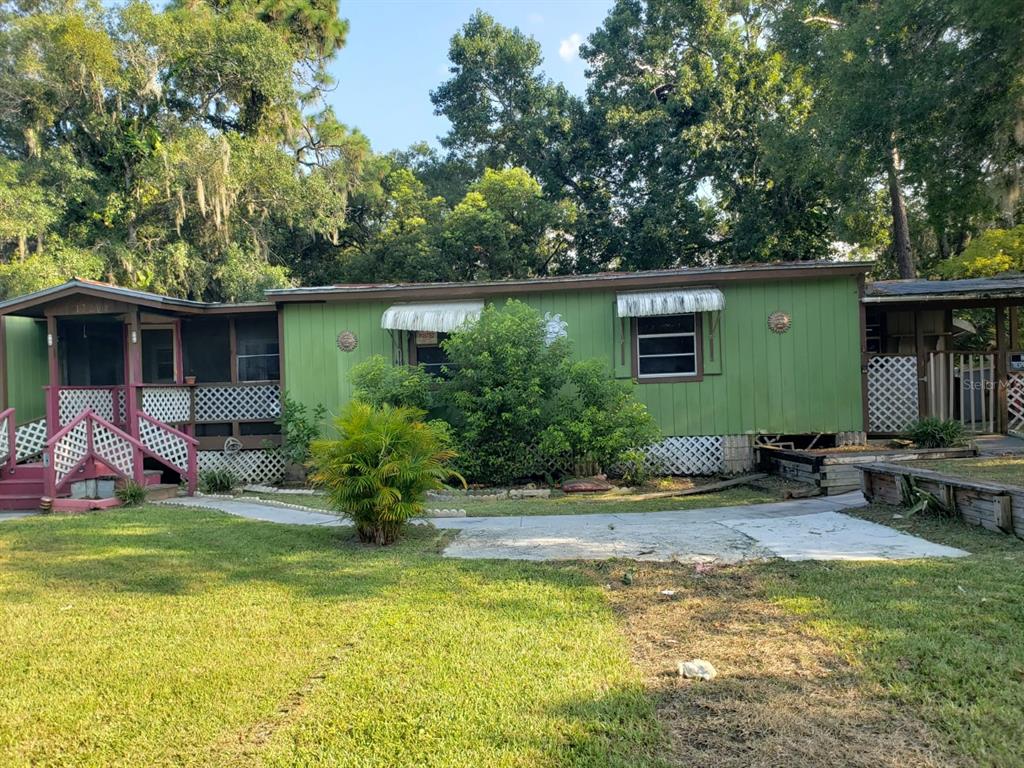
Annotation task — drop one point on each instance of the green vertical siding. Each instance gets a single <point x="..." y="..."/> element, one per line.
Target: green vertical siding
<point x="804" y="381"/>
<point x="26" y="367"/>
<point x="315" y="370"/>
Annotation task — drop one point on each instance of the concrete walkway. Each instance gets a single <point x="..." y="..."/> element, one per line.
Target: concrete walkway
<point x="808" y="529"/>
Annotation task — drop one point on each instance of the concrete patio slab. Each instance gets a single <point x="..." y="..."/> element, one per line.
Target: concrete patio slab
<point x="806" y="529"/>
<point x="254" y="510"/>
<point x="835" y="536"/>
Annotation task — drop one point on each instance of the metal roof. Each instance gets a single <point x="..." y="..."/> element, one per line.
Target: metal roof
<point x="129" y="295"/>
<point x="610" y="280"/>
<point x="888" y="291"/>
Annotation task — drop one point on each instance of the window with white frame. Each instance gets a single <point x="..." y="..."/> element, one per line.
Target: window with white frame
<point x="667" y="346"/>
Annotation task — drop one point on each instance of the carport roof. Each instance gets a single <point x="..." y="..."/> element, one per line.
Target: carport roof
<point x="972" y="289"/>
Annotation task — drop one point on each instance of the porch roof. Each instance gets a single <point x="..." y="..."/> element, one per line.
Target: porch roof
<point x="1003" y="289"/>
<point x="34" y="304"/>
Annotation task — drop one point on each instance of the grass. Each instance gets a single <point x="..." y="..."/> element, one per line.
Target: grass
<point x="915" y="662"/>
<point x="581" y="504"/>
<point x="997" y="469"/>
<point x="159" y="636"/>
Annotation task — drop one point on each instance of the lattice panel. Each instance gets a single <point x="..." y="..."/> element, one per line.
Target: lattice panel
<point x="122" y="406"/>
<point x="892" y="393"/>
<point x="171" y="448"/>
<point x="113" y="449"/>
<point x="170" y="404"/>
<point x="1015" y="401"/>
<point x="71" y="402"/>
<point x="30" y="440"/>
<point x="70" y="449"/>
<point x="230" y="402"/>
<point x="247" y="466"/>
<point x="691" y="455"/>
<point x="5" y="448"/>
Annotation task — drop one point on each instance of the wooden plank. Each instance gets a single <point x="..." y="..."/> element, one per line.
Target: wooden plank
<point x="1002" y="513"/>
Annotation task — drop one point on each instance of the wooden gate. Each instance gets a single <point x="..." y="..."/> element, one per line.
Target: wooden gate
<point x="964" y="386"/>
<point x="892" y="393"/>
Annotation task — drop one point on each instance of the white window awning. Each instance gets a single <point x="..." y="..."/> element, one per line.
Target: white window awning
<point x="442" y="316"/>
<point x="678" y="302"/>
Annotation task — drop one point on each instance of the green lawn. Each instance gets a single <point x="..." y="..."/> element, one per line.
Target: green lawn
<point x="997" y="469"/>
<point x="945" y="638"/>
<point x="581" y="504"/>
<point x="164" y="636"/>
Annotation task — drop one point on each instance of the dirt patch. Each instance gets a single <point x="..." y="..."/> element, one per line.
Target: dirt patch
<point x="783" y="697"/>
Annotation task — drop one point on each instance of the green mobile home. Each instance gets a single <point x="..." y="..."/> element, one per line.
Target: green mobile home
<point x="100" y="379"/>
<point x="718" y="355"/>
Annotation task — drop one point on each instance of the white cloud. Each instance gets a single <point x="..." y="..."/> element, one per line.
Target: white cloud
<point x="569" y="48"/>
<point x="535" y="18"/>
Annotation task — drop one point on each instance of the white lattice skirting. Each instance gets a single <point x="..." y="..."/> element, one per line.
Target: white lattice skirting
<point x="892" y="393"/>
<point x="701" y="455"/>
<point x="247" y="466"/>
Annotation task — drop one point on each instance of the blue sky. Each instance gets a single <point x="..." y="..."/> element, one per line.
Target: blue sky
<point x="397" y="51"/>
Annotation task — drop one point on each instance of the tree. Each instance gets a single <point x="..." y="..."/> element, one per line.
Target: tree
<point x="912" y="97"/>
<point x="180" y="138"/>
<point x="504" y="227"/>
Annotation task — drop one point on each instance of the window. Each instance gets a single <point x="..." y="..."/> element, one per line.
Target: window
<point x="427" y="351"/>
<point x="667" y="347"/>
<point x="258" y="352"/>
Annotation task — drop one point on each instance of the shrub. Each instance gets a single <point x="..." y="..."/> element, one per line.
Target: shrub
<point x="634" y="467"/>
<point x="131" y="494"/>
<point x="299" y="427"/>
<point x="377" y="382"/>
<point x="522" y="404"/>
<point x="378" y="470"/>
<point x="936" y="433"/>
<point x="216" y="481"/>
<point x="597" y="419"/>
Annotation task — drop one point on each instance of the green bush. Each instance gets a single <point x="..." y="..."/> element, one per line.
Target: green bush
<point x="131" y="494"/>
<point x="936" y="433"/>
<point x="300" y="426"/>
<point x="382" y="464"/>
<point x="377" y="382"/>
<point x="521" y="404"/>
<point x="634" y="467"/>
<point x="216" y="481"/>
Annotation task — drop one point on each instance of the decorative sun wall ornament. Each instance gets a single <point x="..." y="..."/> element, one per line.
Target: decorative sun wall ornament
<point x="347" y="341"/>
<point x="779" y="322"/>
<point x="554" y="328"/>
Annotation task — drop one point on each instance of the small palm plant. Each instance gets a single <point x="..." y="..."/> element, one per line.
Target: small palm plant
<point x="379" y="469"/>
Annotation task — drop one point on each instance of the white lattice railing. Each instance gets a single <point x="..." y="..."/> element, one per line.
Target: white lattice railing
<point x="892" y="393"/>
<point x="68" y="449"/>
<point x="167" y="444"/>
<point x="29" y="440"/>
<point x="1015" y="402"/>
<point x="237" y="402"/>
<point x="5" y="434"/>
<point x="89" y="436"/>
<point x="105" y="402"/>
<point x="170" y="404"/>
